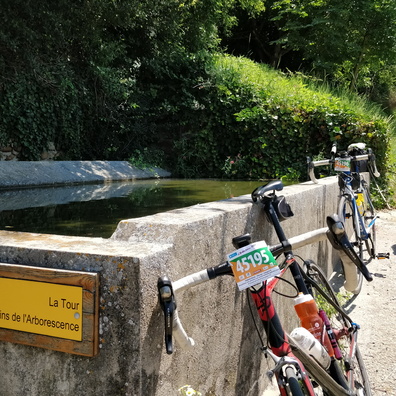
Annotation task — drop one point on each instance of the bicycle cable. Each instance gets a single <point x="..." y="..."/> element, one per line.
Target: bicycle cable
<point x="290" y="284"/>
<point x="337" y="307"/>
<point x="263" y="347"/>
<point x="264" y="306"/>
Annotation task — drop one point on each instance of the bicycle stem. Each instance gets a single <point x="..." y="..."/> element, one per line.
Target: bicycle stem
<point x="295" y="270"/>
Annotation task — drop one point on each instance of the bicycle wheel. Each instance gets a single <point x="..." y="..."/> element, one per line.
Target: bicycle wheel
<point x="349" y="371"/>
<point x="360" y="378"/>
<point x="369" y="223"/>
<point x="293" y="385"/>
<point x="325" y="297"/>
<point x="347" y="215"/>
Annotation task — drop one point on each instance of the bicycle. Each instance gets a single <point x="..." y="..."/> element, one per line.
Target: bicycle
<point x="297" y="373"/>
<point x="355" y="207"/>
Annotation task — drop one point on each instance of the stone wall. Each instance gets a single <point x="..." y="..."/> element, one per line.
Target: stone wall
<point x="132" y="361"/>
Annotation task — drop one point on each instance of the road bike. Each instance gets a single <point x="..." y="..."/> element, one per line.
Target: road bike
<point x="355" y="207"/>
<point x="256" y="270"/>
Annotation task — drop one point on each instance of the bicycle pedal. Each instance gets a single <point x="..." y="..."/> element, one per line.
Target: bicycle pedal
<point x="382" y="256"/>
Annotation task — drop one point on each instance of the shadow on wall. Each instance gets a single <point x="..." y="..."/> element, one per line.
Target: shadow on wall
<point x="152" y="352"/>
<point x="247" y="382"/>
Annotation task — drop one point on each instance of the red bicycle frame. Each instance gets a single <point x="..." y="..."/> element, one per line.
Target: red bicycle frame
<point x="276" y="335"/>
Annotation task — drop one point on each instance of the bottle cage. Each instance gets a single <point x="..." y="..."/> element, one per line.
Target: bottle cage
<point x="282" y="208"/>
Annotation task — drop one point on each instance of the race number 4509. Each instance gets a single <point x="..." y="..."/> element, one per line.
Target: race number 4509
<point x="253" y="264"/>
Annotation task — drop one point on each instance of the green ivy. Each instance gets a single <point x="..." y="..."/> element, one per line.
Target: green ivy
<point x="147" y="158"/>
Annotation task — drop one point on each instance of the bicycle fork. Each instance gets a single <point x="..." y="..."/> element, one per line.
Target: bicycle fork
<point x="284" y="363"/>
<point x="280" y="350"/>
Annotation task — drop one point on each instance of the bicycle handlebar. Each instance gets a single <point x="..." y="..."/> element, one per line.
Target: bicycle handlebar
<point x="171" y="316"/>
<point x="355" y="158"/>
<point x="335" y="232"/>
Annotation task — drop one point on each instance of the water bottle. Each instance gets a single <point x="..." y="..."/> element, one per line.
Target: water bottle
<point x="360" y="202"/>
<point x="309" y="344"/>
<point x="307" y="311"/>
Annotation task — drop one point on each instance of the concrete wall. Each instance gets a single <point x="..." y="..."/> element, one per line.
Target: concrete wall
<point x="132" y="361"/>
<point x="18" y="174"/>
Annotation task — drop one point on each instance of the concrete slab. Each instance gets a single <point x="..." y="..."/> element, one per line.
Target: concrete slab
<point x="19" y="174"/>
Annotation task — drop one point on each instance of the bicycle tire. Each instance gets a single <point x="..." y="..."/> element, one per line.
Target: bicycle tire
<point x="362" y="380"/>
<point x="361" y="384"/>
<point x="368" y="216"/>
<point x="293" y="385"/>
<point x="346" y="214"/>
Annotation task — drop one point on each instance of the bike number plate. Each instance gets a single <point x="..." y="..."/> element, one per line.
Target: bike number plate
<point x="253" y="264"/>
<point x="342" y="164"/>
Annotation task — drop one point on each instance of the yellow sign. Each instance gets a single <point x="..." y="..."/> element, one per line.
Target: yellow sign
<point x="41" y="308"/>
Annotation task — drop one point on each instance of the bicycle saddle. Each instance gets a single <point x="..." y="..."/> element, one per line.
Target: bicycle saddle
<point x="272" y="185"/>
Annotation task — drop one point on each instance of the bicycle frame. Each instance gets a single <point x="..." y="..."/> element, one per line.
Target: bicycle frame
<point x="280" y="351"/>
<point x="267" y="198"/>
<point x="283" y="350"/>
<point x="276" y="336"/>
<point x="353" y="349"/>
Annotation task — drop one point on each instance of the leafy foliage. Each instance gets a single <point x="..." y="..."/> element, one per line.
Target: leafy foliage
<point x="252" y="122"/>
<point x="147" y="159"/>
<point x="128" y="79"/>
<point x="351" y="43"/>
<point x="57" y="81"/>
<point x="78" y="73"/>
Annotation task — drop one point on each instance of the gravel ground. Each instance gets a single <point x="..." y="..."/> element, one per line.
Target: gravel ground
<point x="374" y="309"/>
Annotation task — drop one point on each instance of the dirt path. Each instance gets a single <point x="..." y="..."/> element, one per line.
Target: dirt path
<point x="374" y="309"/>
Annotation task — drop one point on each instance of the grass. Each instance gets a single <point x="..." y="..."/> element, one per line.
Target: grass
<point x="392" y="154"/>
<point x="359" y="104"/>
<point x="297" y="87"/>
<point x="392" y="167"/>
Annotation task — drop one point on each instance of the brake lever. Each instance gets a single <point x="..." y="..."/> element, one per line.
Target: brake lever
<point x="168" y="305"/>
<point x="339" y="239"/>
<point x="333" y="151"/>
<point x="373" y="164"/>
